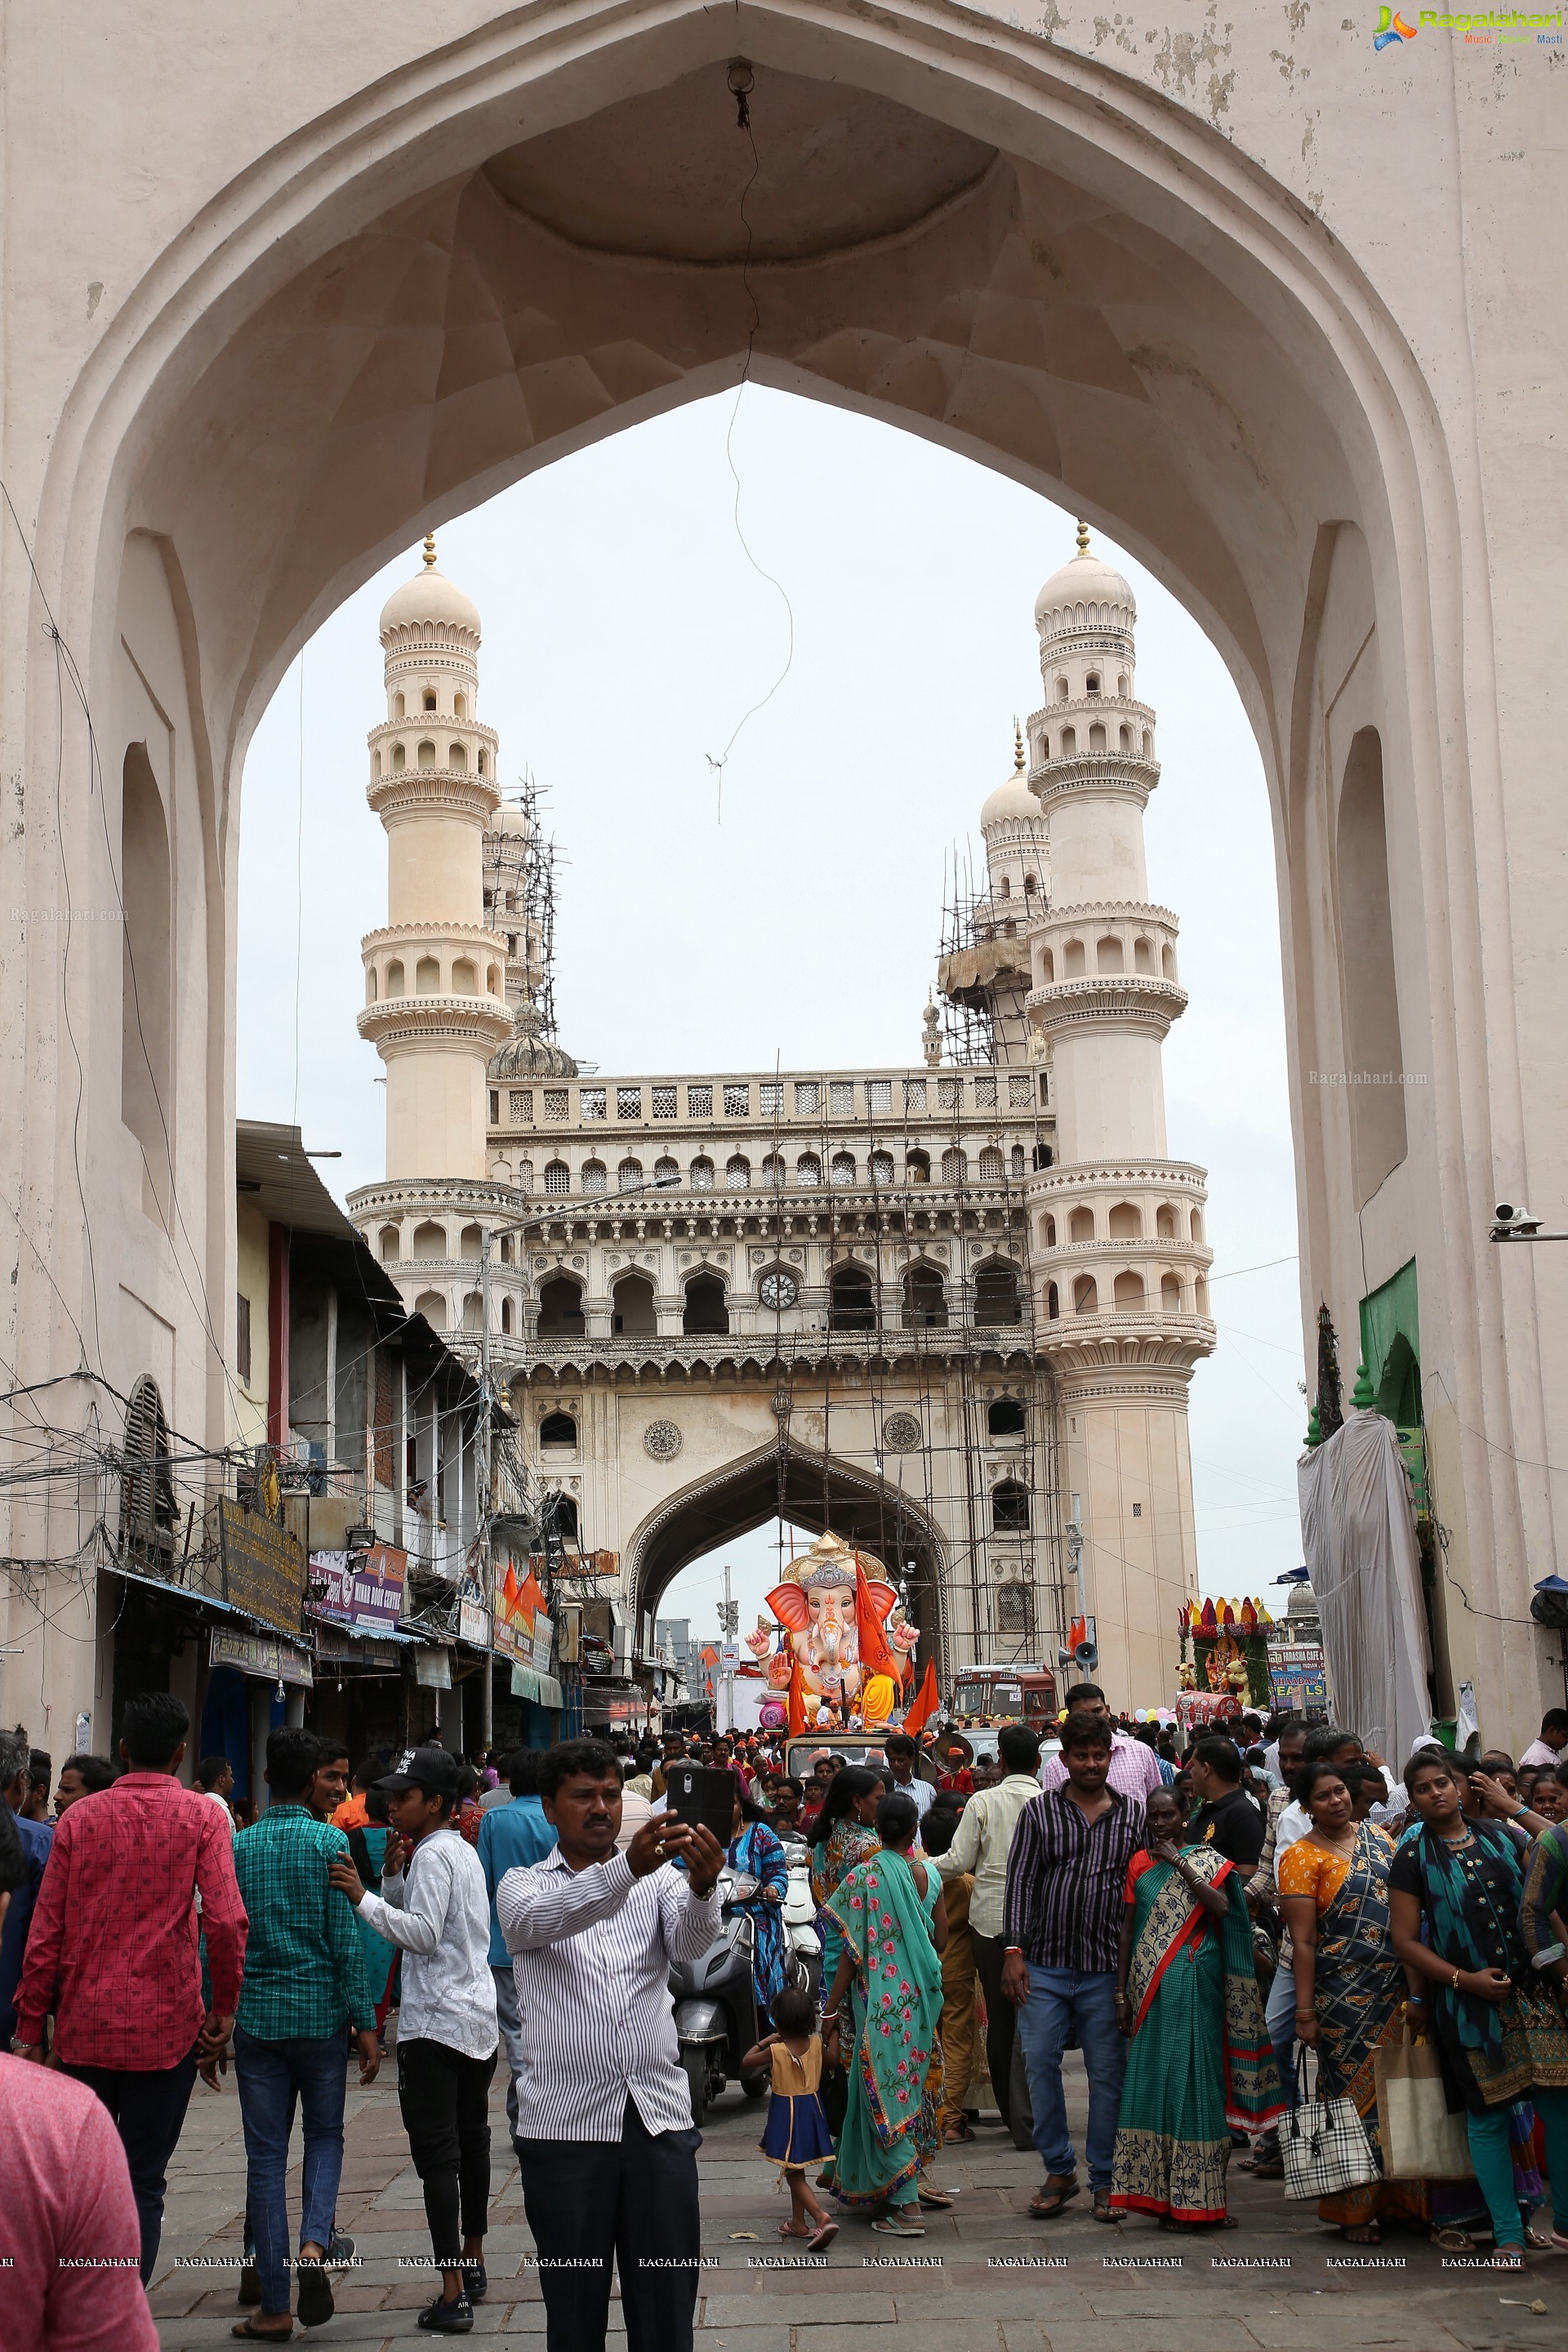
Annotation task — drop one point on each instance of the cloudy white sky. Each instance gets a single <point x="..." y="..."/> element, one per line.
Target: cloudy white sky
<point x="626" y="634"/>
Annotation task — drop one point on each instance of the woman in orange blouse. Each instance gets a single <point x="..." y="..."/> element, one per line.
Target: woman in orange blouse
<point x="1350" y="1989"/>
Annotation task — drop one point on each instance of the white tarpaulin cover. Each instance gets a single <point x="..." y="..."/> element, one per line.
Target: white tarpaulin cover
<point x="1358" y="1525"/>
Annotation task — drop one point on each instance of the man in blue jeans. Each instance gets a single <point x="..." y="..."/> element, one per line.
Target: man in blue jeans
<point x="1067" y="1871"/>
<point x="304" y="1985"/>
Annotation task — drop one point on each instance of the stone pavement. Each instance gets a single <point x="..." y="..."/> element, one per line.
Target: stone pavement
<point x="985" y="2279"/>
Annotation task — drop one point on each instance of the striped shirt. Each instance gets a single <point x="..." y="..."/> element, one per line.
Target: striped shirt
<point x="591" y="1955"/>
<point x="1066" y="1877"/>
<point x="440" y="1917"/>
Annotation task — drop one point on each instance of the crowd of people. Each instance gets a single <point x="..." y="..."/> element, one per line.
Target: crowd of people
<point x="1206" y="1926"/>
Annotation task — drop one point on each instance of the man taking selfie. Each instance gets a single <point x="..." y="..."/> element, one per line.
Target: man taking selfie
<point x="605" y="2136"/>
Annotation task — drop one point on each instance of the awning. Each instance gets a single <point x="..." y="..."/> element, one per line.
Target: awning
<point x="527" y="1682"/>
<point x="202" y="1600"/>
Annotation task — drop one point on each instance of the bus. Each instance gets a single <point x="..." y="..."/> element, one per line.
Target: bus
<point x="1027" y="1694"/>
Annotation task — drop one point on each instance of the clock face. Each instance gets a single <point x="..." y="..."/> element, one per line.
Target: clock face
<point x="778" y="1288"/>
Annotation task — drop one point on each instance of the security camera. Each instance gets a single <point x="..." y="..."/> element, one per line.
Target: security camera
<point x="1509" y="1223"/>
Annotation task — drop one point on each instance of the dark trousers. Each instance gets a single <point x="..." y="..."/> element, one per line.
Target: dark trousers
<point x="445" y="2099"/>
<point x="633" y="2202"/>
<point x="149" y="2111"/>
<point x="1001" y="2021"/>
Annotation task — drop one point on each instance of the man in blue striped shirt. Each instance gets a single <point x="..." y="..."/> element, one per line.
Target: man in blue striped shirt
<point x="605" y="2136"/>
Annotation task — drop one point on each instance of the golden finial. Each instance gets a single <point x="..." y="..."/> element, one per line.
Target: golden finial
<point x="430" y="551"/>
<point x="1018" y="749"/>
<point x="1082" y="537"/>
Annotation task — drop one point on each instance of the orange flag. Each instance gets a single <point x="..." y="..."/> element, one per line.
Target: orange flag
<point x="926" y="1702"/>
<point x="508" y="1590"/>
<point x="531" y="1598"/>
<point x="796" y="1700"/>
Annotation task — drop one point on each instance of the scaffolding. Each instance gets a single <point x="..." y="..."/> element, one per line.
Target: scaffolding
<point x="968" y="1028"/>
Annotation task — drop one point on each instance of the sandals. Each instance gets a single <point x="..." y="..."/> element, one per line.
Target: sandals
<point x="242" y="2327"/>
<point x="1102" y="2208"/>
<point x="938" y="2199"/>
<point x="313" y="2293"/>
<point x="794" y="2230"/>
<point x="888" y="2225"/>
<point x="1452" y="2240"/>
<point x="956" y="2135"/>
<point x="822" y="2237"/>
<point x="1048" y="2203"/>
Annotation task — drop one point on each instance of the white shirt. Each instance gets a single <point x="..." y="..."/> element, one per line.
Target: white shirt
<point x="1537" y="1752"/>
<point x="981" y="1844"/>
<point x="440" y="1917"/>
<point x="592" y="1951"/>
<point x="923" y="1794"/>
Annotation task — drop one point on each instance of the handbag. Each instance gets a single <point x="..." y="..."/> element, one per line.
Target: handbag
<point x="1421" y="2141"/>
<point x="1324" y="2143"/>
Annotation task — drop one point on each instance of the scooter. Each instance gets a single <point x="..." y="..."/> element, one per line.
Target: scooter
<point x="715" y="2000"/>
<point x="803" y="1945"/>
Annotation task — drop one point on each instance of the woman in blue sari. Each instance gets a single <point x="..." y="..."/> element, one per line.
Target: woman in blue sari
<point x="753" y="1852"/>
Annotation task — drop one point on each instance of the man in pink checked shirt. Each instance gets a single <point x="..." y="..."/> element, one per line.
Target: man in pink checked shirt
<point x="70" y="2237"/>
<point x="1134" y="1768"/>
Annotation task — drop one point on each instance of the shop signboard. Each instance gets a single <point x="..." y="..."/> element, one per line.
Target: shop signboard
<point x="1298" y="1678"/>
<point x="474" y="1624"/>
<point x="363" y="1589"/>
<point x="261" y="1655"/>
<point x="263" y="1567"/>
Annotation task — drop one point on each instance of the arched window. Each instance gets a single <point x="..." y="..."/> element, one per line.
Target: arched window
<point x="473" y="1312"/>
<point x="459" y="706"/>
<point x="558" y="1430"/>
<point x="1047" y="968"/>
<point x="1010" y="1507"/>
<point x="1069" y="742"/>
<point x="429" y="698"/>
<point x="1017" y="1166"/>
<point x="146" y="969"/>
<point x="1005" y="1417"/>
<point x="375" y="766"/>
<point x="1041" y="1156"/>
<point x="1168" y="962"/>
<point x="1170" y="1294"/>
<point x="1130" y="1294"/>
<point x="1143" y="954"/>
<point x="560" y="1315"/>
<point x="842" y="1168"/>
<point x="1097" y="737"/>
<point x="772" y="1172"/>
<point x="394" y="981"/>
<point x="1108" y="954"/>
<point x="430" y="1239"/>
<point x="1081" y="1225"/>
<point x="1165" y="1221"/>
<point x="557" y="1176"/>
<point x="524" y="1178"/>
<point x="954" y="1165"/>
<point x="1146" y="743"/>
<point x="370" y="983"/>
<point x="427" y="977"/>
<point x="470" y="1242"/>
<point x="1197" y="1225"/>
<point x="1061" y="690"/>
<point x="1121" y="687"/>
<point x="1045" y="746"/>
<point x="492" y="979"/>
<point x="633" y="1312"/>
<point x="667" y="1171"/>
<point x="1091" y="683"/>
<point x="147" y="1501"/>
<point x="433" y="1306"/>
<point x="596" y="1176"/>
<point x="1126" y="1223"/>
<point x="997" y="1298"/>
<point x="925" y="1299"/>
<point x="628" y="1176"/>
<point x="1124" y="739"/>
<point x="881" y="1167"/>
<point x="1047" y="1232"/>
<point x="560" y="1520"/>
<point x="399" y="707"/>
<point x="427" y="755"/>
<point x="1053" y="1301"/>
<point x="852" y="1305"/>
<point x="506" y="1323"/>
<point x="390" y="1244"/>
<point x="807" y="1170"/>
<point x="1030" y="886"/>
<point x="456" y="757"/>
<point x="1085" y="1297"/>
<point x="1073" y="961"/>
<point x="465" y="977"/>
<point x="481" y="763"/>
<point x="738" y="1173"/>
<point x="1006" y="891"/>
<point x="917" y="1167"/>
<point x="992" y="1167"/>
<point x="702" y="1175"/>
<point x="706" y="1311"/>
<point x="399" y="757"/>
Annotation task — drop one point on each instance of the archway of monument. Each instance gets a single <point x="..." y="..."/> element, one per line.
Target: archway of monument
<point x="477" y="265"/>
<point x="807" y="1491"/>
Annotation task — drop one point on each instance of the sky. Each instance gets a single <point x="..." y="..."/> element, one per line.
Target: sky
<point x="788" y="907"/>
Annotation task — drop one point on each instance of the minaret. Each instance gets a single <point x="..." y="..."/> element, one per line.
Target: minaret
<point x="436" y="997"/>
<point x="992" y="971"/>
<point x="1118" y="1255"/>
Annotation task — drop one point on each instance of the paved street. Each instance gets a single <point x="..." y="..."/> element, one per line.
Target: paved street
<point x="985" y="2276"/>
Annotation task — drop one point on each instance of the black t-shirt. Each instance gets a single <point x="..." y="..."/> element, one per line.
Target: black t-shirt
<point x="1233" y="1826"/>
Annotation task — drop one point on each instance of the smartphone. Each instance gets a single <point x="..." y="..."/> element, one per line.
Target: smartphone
<point x="702" y="1793"/>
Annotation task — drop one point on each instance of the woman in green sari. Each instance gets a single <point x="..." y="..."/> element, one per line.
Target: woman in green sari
<point x="889" y="1912"/>
<point x="1185" y="1992"/>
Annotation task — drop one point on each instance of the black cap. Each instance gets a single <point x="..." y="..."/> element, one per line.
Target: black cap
<point x="429" y="1769"/>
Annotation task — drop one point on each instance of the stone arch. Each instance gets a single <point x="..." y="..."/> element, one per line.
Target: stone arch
<point x="1125" y="1222"/>
<point x="560" y="1315"/>
<point x="433" y="1306"/>
<point x="430" y="1239"/>
<point x="1319" y="408"/>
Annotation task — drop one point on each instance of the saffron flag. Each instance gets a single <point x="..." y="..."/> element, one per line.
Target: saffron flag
<point x="926" y="1701"/>
<point x="508" y="1590"/>
<point x="796" y="1700"/>
<point x="531" y="1597"/>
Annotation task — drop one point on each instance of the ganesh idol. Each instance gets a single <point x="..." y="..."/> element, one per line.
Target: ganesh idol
<point x="816" y="1604"/>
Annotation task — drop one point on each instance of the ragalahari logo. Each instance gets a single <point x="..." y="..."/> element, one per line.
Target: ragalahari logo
<point x="1390" y="27"/>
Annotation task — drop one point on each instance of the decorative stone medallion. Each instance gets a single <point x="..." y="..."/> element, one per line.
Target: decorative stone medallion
<point x="662" y="1439"/>
<point x="900" y="1432"/>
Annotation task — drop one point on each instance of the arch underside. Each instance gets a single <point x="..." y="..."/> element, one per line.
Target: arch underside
<point x="789" y="1481"/>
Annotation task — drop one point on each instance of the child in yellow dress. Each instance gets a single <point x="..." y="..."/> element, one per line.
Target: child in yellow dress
<point x="796" y="2132"/>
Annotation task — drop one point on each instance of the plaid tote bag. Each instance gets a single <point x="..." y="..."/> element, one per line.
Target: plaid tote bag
<point x="1324" y="2143"/>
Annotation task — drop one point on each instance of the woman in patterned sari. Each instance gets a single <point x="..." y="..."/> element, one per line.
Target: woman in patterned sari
<point x="892" y="1928"/>
<point x="843" y="1835"/>
<point x="1186" y="1993"/>
<point x="1350" y="1989"/>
